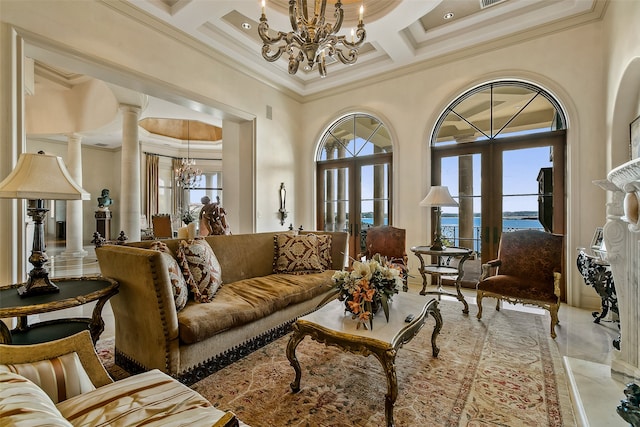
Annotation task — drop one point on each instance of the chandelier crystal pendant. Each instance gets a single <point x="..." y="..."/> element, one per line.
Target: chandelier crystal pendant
<point x="312" y="38"/>
<point x="187" y="174"/>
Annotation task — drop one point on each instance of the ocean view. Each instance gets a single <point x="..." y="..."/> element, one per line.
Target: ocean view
<point x="450" y="226"/>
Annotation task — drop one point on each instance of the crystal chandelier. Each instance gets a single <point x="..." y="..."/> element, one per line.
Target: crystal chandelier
<point x="311" y="38"/>
<point x="187" y="175"/>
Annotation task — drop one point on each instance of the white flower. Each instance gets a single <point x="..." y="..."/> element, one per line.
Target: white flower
<point x="362" y="270"/>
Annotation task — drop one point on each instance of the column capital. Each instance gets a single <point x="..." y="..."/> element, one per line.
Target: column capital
<point x="129" y="108"/>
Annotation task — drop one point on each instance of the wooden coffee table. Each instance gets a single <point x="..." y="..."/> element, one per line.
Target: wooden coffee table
<point x="331" y="326"/>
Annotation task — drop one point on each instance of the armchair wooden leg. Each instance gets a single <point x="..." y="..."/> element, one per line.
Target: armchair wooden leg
<point x="554" y="320"/>
<point x="497" y="304"/>
<point x="479" y="303"/>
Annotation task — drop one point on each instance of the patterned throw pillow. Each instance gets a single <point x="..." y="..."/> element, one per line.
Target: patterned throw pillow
<point x="201" y="269"/>
<point x="296" y="254"/>
<point x="61" y="377"/>
<point x="25" y="404"/>
<point x="178" y="282"/>
<point x="324" y="250"/>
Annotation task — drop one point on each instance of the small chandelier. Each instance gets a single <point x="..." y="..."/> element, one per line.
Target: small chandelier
<point x="187" y="175"/>
<point x="311" y="39"/>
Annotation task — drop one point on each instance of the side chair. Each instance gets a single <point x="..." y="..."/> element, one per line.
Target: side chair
<point x="162" y="228"/>
<point x="527" y="271"/>
<point x="389" y="242"/>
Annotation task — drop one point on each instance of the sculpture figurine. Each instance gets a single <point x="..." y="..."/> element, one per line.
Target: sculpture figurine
<point x="629" y="409"/>
<point x="104" y="200"/>
<point x="213" y="218"/>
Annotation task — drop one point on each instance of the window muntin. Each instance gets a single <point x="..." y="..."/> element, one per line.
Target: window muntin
<point x="355" y="135"/>
<point x="498" y="110"/>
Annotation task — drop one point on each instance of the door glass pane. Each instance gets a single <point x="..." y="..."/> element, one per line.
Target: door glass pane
<point x="523" y="207"/>
<point x="335" y="201"/>
<point x="461" y="225"/>
<point x="374" y="198"/>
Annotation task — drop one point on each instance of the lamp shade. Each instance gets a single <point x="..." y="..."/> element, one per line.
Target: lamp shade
<point x="41" y="176"/>
<point x="438" y="196"/>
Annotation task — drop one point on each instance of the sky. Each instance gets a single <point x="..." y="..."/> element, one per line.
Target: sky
<point x="521" y="169"/>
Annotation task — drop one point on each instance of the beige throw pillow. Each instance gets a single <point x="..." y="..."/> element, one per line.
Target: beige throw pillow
<point x="296" y="254"/>
<point x="178" y="282"/>
<point x="201" y="269"/>
<point x="324" y="251"/>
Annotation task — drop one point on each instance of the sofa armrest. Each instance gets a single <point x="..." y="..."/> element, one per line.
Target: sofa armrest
<point x="80" y="343"/>
<point x="145" y="314"/>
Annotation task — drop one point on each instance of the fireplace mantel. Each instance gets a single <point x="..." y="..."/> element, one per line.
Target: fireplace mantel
<point x="622" y="240"/>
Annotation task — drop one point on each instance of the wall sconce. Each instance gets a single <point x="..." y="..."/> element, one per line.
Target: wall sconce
<point x="283" y="200"/>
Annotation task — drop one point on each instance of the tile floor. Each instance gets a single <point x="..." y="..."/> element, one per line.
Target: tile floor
<point x="586" y="346"/>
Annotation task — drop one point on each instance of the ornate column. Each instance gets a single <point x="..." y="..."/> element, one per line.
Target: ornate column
<point x="74" y="225"/>
<point x="378" y="191"/>
<point x="329" y="211"/>
<point x="622" y="240"/>
<point x="130" y="174"/>
<point x="465" y="213"/>
<point x="341" y="209"/>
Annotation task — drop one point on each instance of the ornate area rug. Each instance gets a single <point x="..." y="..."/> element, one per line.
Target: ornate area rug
<point x="502" y="371"/>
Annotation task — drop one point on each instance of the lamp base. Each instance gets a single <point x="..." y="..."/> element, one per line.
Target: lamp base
<point x="38" y="284"/>
<point x="437" y="244"/>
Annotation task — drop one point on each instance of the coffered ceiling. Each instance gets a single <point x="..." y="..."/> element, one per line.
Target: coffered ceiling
<point x="400" y="34"/>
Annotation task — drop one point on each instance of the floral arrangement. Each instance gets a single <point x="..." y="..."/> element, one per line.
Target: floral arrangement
<point x="189" y="213"/>
<point x="368" y="285"/>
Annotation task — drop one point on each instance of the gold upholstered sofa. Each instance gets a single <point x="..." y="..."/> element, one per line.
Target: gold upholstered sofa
<point x="265" y="287"/>
<point x="63" y="383"/>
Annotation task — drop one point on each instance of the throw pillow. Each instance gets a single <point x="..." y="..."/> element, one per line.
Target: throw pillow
<point x="296" y="254"/>
<point x="25" y="404"/>
<point x="201" y="268"/>
<point x="61" y="377"/>
<point x="324" y="250"/>
<point x="178" y="282"/>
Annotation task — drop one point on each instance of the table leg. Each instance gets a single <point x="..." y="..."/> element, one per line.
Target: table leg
<point x="424" y="276"/>
<point x="5" y="334"/>
<point x="387" y="360"/>
<point x="437" y="316"/>
<point x="465" y="310"/>
<point x="295" y="339"/>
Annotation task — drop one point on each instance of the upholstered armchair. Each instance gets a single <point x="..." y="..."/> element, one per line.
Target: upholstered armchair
<point x="527" y="271"/>
<point x="389" y="242"/>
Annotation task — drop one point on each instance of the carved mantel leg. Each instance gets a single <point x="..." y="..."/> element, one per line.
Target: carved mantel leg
<point x="622" y="240"/>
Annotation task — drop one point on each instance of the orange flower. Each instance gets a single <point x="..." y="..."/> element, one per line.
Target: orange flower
<point x="354" y="306"/>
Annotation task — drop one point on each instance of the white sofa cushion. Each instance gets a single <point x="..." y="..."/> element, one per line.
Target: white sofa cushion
<point x="25" y="404"/>
<point x="151" y="398"/>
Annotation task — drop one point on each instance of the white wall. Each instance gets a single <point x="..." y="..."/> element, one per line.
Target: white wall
<point x="100" y="169"/>
<point x="568" y="64"/>
<point x="622" y="56"/>
<point x="582" y="66"/>
<point x="139" y="56"/>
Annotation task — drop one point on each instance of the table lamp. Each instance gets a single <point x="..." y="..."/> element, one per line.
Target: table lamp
<point x="40" y="177"/>
<point x="438" y="196"/>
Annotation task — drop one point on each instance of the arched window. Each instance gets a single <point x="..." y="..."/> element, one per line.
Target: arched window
<point x="354" y="177"/>
<point x="500" y="149"/>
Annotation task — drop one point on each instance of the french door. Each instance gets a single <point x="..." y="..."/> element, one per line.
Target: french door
<point x="501" y="185"/>
<point x="354" y="194"/>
